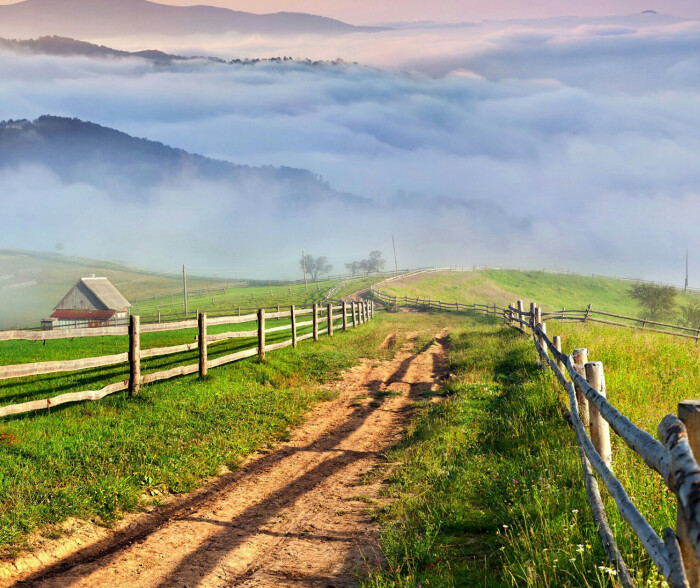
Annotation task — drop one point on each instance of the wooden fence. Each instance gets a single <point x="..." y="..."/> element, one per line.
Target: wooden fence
<point x="587" y="315"/>
<point x="677" y="552"/>
<point x="342" y="316"/>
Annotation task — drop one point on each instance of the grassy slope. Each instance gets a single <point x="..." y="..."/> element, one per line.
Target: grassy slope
<point x="549" y="290"/>
<point x="32" y="283"/>
<point x="488" y="489"/>
<point x="96" y="460"/>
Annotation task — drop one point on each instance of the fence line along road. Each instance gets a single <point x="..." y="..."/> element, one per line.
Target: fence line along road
<point x="342" y="316"/>
<point x="677" y="553"/>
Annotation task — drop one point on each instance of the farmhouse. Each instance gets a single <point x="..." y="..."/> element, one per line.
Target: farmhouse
<point x="92" y="302"/>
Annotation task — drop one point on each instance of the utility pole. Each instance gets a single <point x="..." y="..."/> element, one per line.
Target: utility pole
<point x="396" y="263"/>
<point x="303" y="261"/>
<point x="686" y="270"/>
<point x="184" y="285"/>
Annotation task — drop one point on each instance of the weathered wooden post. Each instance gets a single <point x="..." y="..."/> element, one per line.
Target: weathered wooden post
<point x="600" y="430"/>
<point x="533" y="307"/>
<point x="689" y="414"/>
<point x="330" y="319"/>
<point x="294" y="326"/>
<point x="134" y="355"/>
<point x="557" y="346"/>
<point x="457" y="306"/>
<point x="543" y="345"/>
<point x="202" y="345"/>
<point x="345" y="315"/>
<point x="159" y="317"/>
<point x="580" y="358"/>
<point x="239" y="310"/>
<point x="261" y="333"/>
<point x="315" y="321"/>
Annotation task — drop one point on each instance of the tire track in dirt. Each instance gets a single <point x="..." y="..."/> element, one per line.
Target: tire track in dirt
<point x="297" y="516"/>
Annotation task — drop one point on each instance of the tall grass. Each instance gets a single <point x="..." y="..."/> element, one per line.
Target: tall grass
<point x="488" y="489"/>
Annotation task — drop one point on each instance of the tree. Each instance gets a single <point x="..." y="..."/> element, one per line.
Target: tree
<point x="354" y="268"/>
<point x="691" y="314"/>
<point x="374" y="263"/>
<point x="657" y="301"/>
<point x="315" y="266"/>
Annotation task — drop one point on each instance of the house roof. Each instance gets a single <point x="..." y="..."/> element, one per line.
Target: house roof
<point x="106" y="292"/>
<point x="84" y="314"/>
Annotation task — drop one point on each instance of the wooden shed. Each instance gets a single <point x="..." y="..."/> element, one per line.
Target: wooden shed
<point x="92" y="302"/>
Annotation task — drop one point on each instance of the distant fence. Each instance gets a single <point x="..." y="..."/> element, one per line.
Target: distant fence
<point x="677" y="553"/>
<point x="587" y="315"/>
<point x="350" y="315"/>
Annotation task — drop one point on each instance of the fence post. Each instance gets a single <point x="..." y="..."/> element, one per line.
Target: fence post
<point x="134" y="355"/>
<point x="330" y="319"/>
<point x="202" y="345"/>
<point x="689" y="414"/>
<point x="600" y="430"/>
<point x="533" y="307"/>
<point x="543" y="345"/>
<point x="580" y="357"/>
<point x="557" y="346"/>
<point x="315" y="320"/>
<point x="345" y="315"/>
<point x="294" y="326"/>
<point x="261" y="333"/>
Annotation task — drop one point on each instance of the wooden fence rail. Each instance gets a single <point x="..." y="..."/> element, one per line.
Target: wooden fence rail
<point x="677" y="552"/>
<point x="135" y="354"/>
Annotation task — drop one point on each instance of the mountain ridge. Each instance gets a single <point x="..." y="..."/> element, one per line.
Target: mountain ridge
<point x="106" y="18"/>
<point x="118" y="163"/>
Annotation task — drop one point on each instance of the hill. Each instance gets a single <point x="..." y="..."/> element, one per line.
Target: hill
<point x="127" y="167"/>
<point x="109" y="18"/>
<point x="32" y="283"/>
<point x="551" y="291"/>
<point x="67" y="47"/>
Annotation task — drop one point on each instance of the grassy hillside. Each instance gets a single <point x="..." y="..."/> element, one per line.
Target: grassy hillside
<point x="99" y="460"/>
<point x="550" y="291"/>
<point x="487" y="485"/>
<point x="31" y="284"/>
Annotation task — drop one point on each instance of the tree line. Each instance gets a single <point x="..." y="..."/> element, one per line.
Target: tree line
<point x="317" y="267"/>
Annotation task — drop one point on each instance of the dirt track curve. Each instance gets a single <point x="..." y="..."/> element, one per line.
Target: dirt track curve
<point x="297" y="516"/>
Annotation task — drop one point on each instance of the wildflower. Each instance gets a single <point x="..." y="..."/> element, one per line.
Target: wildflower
<point x="575" y="511"/>
<point x="505" y="526"/>
<point x="579" y="548"/>
<point x="572" y="560"/>
<point x="588" y="545"/>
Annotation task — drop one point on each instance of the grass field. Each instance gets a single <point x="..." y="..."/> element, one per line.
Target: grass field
<point x="31" y="284"/>
<point x="551" y="291"/>
<point x="97" y="460"/>
<point x="250" y="297"/>
<point x="488" y="490"/>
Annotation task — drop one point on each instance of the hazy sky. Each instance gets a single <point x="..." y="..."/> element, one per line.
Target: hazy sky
<point x="581" y="135"/>
<point x="373" y="11"/>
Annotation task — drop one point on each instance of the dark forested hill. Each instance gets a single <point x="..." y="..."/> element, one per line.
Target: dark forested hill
<point x="128" y="167"/>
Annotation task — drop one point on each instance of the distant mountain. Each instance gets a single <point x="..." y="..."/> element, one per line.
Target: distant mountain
<point x="128" y="167"/>
<point x="67" y="47"/>
<point x="99" y="18"/>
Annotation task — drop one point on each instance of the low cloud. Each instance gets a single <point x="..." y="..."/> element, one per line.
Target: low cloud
<point x="566" y="143"/>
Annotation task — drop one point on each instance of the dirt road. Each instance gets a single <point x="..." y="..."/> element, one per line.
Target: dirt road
<point x="297" y="516"/>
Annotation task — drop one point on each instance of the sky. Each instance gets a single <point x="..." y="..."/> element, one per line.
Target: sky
<point x="382" y="11"/>
<point x="565" y="145"/>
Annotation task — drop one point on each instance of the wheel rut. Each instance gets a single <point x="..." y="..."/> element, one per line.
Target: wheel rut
<point x="300" y="515"/>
